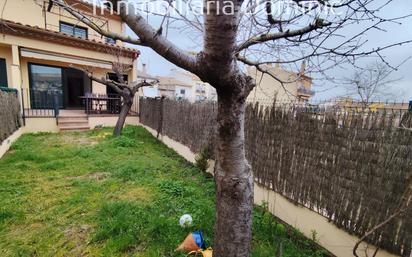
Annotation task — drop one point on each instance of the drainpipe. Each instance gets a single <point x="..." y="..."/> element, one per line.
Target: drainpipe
<point x="56" y="105"/>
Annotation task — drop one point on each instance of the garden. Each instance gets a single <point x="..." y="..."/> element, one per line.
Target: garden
<point x="91" y="194"/>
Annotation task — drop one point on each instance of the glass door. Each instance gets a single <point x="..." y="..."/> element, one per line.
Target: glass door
<point x="46" y="86"/>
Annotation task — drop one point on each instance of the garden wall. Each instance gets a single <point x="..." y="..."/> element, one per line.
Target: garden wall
<point x="10" y="116"/>
<point x="10" y="120"/>
<point x="350" y="168"/>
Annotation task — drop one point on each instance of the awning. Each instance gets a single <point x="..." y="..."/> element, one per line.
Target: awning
<point x="43" y="55"/>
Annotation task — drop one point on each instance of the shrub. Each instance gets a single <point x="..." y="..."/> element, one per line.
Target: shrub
<point x="202" y="158"/>
<point x="173" y="188"/>
<point x="123" y="141"/>
<point x="129" y="172"/>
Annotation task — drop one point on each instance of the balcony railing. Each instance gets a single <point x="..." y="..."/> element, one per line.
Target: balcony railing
<point x="41" y="103"/>
<point x="102" y="104"/>
<point x="48" y="103"/>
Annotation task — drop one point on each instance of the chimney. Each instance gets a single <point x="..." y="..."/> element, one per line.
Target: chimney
<point x="144" y="69"/>
<point x="303" y="68"/>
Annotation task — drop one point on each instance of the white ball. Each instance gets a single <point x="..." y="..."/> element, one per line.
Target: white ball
<point x="186" y="221"/>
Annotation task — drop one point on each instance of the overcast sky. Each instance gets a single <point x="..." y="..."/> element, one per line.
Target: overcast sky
<point x="395" y="33"/>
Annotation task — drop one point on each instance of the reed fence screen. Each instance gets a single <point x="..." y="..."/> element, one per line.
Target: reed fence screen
<point x="347" y="166"/>
<point x="10" y="115"/>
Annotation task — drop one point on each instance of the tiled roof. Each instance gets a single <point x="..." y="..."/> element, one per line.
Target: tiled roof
<point x="15" y="28"/>
<point x="88" y="3"/>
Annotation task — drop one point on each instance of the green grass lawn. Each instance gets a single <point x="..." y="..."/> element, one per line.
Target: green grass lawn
<point x="88" y="194"/>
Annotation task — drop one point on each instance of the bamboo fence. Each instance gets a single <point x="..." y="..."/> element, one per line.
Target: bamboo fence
<point x="348" y="166"/>
<point x="10" y="116"/>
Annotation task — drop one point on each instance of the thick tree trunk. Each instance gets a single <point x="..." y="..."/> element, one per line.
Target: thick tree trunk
<point x="122" y="117"/>
<point x="234" y="182"/>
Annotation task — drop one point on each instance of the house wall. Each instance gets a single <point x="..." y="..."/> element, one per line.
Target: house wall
<point x="191" y="81"/>
<point x="5" y="53"/>
<point x="21" y="69"/>
<point x="110" y="121"/>
<point x="267" y="87"/>
<point x="188" y="93"/>
<point x="167" y="92"/>
<point x="34" y="125"/>
<point x="209" y="93"/>
<point x="30" y="12"/>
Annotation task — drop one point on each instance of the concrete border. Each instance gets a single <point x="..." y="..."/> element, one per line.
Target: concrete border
<point x="6" y="144"/>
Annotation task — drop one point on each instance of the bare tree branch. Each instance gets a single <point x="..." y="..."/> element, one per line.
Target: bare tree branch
<point x="318" y="24"/>
<point x="149" y="37"/>
<point x="370" y="83"/>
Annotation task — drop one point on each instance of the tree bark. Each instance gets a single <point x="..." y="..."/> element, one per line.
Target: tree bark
<point x="234" y="181"/>
<point x="127" y="105"/>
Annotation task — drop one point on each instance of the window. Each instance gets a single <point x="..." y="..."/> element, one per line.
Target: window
<point x="200" y="98"/>
<point x="3" y="73"/>
<point x="182" y="91"/>
<point x="45" y="81"/>
<point x="110" y="41"/>
<point x="200" y="88"/>
<point x="73" y="30"/>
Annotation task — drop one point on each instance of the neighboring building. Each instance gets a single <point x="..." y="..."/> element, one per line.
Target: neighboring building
<point x="299" y="88"/>
<point x="179" y="84"/>
<point x="41" y="43"/>
<point x="172" y="88"/>
<point x="352" y="104"/>
<point x="182" y="85"/>
<point x="149" y="91"/>
<point x="204" y="91"/>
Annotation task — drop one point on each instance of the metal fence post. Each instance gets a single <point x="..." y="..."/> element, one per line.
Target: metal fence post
<point x="161" y="111"/>
<point x="56" y="103"/>
<point x="22" y="107"/>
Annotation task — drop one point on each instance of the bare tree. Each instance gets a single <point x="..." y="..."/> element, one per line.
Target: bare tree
<point x="126" y="90"/>
<point x="245" y="32"/>
<point x="372" y="83"/>
<point x="127" y="93"/>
